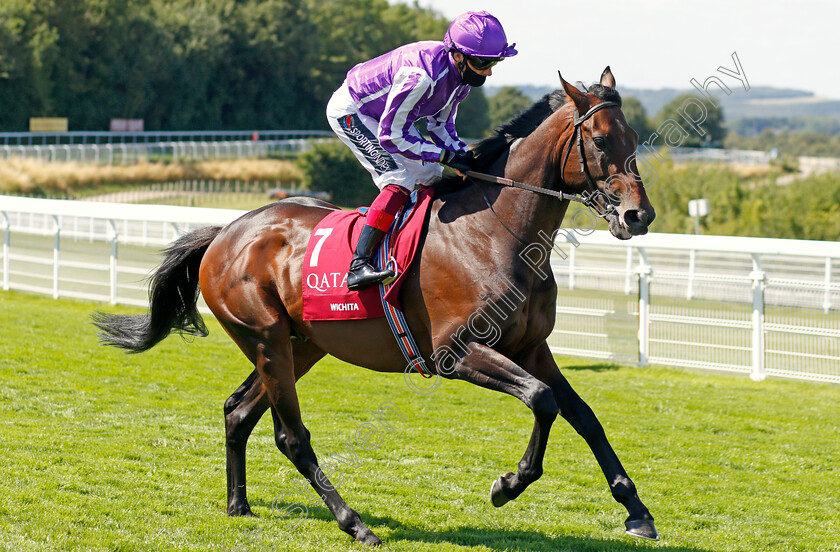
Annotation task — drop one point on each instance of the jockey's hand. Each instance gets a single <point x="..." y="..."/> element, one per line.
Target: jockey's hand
<point x="461" y="161"/>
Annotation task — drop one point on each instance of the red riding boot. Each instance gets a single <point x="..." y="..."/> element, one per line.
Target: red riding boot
<point x="380" y="215"/>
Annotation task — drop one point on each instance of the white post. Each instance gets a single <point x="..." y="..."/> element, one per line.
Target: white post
<point x="56" y="245"/>
<point x="827" y="299"/>
<point x="689" y="291"/>
<point x="7" y="231"/>
<point x="645" y="272"/>
<point x="758" y="277"/>
<point x="113" y="261"/>
<point x="572" y="269"/>
<point x="628" y="272"/>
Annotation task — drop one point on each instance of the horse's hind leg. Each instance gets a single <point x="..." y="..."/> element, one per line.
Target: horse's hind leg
<point x="243" y="409"/>
<point x="274" y="361"/>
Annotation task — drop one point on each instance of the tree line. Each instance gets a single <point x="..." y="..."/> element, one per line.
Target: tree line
<point x="788" y="143"/>
<point x="808" y="208"/>
<point x="212" y="65"/>
<point x="508" y="101"/>
<point x="187" y="64"/>
<point x="790" y="136"/>
<point x="247" y="64"/>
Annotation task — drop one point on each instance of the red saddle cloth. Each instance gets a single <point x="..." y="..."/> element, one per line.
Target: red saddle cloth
<point x="330" y="250"/>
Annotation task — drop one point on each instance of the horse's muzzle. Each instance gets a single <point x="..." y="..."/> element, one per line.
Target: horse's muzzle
<point x="637" y="220"/>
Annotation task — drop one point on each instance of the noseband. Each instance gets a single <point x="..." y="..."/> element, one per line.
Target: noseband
<point x="587" y="197"/>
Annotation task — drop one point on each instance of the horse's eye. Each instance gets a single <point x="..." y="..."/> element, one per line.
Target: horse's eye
<point x="600" y="142"/>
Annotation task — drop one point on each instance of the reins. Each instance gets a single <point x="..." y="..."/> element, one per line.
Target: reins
<point x="587" y="198"/>
<point x="523" y="186"/>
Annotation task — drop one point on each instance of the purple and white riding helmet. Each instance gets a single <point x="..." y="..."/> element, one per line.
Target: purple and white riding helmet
<point x="478" y="34"/>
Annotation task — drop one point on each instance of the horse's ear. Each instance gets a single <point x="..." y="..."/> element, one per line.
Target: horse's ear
<point x="574" y="95"/>
<point x="607" y="78"/>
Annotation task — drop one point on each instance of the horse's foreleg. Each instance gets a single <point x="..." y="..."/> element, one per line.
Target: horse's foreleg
<point x="510" y="485"/>
<point x="243" y="410"/>
<point x="487" y="368"/>
<point x="575" y="411"/>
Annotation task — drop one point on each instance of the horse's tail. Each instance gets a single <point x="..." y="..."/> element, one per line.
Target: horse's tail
<point x="173" y="293"/>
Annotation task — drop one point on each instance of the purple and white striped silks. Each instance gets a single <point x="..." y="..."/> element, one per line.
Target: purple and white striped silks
<point x="399" y="88"/>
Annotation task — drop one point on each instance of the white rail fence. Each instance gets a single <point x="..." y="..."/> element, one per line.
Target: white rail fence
<point x="130" y="153"/>
<point x="91" y="250"/>
<point x="750" y="305"/>
<point x="716" y="155"/>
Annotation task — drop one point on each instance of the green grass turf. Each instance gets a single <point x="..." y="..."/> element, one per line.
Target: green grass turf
<point x="107" y="451"/>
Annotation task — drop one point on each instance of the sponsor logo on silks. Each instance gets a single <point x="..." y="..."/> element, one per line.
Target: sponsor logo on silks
<point x="368" y="144"/>
<point x="326" y="281"/>
<point x="344" y="306"/>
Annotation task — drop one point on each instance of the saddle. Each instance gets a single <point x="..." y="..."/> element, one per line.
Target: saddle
<point x="330" y="250"/>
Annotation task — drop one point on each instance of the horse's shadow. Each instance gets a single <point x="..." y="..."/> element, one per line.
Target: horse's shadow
<point x="597" y="367"/>
<point x="494" y="539"/>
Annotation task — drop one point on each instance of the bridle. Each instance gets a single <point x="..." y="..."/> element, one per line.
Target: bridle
<point x="579" y="120"/>
<point x="587" y="198"/>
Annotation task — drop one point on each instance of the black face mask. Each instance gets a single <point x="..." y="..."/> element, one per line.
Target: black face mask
<point x="470" y="77"/>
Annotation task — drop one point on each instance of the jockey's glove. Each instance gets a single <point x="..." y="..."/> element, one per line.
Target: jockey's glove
<point x="459" y="160"/>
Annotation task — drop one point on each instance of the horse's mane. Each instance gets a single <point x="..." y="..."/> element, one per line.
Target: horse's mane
<point x="489" y="149"/>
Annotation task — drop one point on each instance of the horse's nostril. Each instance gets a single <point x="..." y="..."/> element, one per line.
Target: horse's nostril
<point x="631" y="218"/>
<point x="638" y="218"/>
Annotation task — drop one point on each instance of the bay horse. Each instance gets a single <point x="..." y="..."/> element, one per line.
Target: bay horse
<point x="250" y="275"/>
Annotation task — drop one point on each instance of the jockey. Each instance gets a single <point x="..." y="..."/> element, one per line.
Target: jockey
<point x="375" y="110"/>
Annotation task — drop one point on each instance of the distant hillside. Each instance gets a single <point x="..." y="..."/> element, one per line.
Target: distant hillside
<point x="759" y="102"/>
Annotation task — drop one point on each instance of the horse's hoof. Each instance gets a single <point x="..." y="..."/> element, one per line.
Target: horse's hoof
<point x="240" y="510"/>
<point x="369" y="539"/>
<point x="242" y="513"/>
<point x="642" y="528"/>
<point x="497" y="493"/>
